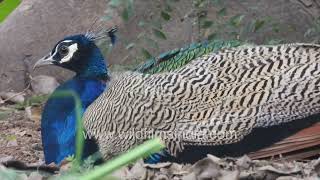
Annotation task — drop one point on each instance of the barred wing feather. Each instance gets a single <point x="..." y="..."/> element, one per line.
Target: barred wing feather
<point x="231" y="91"/>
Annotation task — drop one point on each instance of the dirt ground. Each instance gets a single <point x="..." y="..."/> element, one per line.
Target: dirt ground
<point x="20" y="140"/>
<point x="20" y="137"/>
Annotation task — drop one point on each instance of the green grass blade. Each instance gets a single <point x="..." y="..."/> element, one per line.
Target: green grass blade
<point x="6" y="7"/>
<point x="145" y="149"/>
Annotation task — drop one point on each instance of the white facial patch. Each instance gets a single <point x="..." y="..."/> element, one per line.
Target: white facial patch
<point x="72" y="49"/>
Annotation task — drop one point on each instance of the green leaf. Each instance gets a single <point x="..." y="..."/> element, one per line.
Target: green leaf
<point x="11" y="137"/>
<point x="146" y="53"/>
<point x="125" y="14"/>
<point x="291" y="28"/>
<point x="32" y="101"/>
<point x="236" y="20"/>
<point x="130" y="7"/>
<point x="200" y="3"/>
<point x="130" y="46"/>
<point x="114" y="3"/>
<point x="258" y="25"/>
<point x="275" y="27"/>
<point x="107" y="17"/>
<point x="141" y="23"/>
<point x="37" y="99"/>
<point x="212" y="36"/>
<point x="168" y="7"/>
<point x="159" y="34"/>
<point x="207" y="24"/>
<point x="234" y="34"/>
<point x="275" y="41"/>
<point x="216" y="2"/>
<point x="309" y="32"/>
<point x="166" y="16"/>
<point x="141" y="35"/>
<point x="222" y="12"/>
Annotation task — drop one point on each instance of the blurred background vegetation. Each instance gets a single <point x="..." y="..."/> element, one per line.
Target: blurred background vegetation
<point x="147" y="28"/>
<point x="208" y="20"/>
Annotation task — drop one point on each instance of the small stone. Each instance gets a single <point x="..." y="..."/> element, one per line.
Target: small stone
<point x="12" y="97"/>
<point x="44" y="84"/>
<point x="137" y="171"/>
<point x="243" y="162"/>
<point x="33" y="113"/>
<point x="12" y="143"/>
<point x="37" y="146"/>
<point x="206" y="169"/>
<point x="21" y="133"/>
<point x="28" y="112"/>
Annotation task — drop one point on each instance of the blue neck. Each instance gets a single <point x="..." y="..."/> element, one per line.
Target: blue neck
<point x="58" y="125"/>
<point x="94" y="65"/>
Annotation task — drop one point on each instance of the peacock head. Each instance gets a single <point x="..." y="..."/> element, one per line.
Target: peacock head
<point x="79" y="54"/>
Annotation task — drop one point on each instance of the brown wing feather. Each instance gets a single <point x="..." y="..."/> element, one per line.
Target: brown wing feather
<point x="219" y="98"/>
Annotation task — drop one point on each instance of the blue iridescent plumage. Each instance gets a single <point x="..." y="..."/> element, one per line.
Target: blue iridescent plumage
<point x="58" y="123"/>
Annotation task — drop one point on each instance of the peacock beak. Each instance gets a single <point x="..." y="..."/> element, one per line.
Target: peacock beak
<point x="47" y="60"/>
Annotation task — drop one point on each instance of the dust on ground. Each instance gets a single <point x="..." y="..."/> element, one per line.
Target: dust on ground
<point x="20" y="137"/>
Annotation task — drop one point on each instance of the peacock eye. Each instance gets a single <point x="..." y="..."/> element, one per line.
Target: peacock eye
<point x="63" y="50"/>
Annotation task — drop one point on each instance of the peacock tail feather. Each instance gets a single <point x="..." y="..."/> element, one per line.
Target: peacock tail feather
<point x="177" y="58"/>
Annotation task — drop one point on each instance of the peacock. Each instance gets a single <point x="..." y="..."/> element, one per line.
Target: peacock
<point x="79" y="54"/>
<point x="219" y="99"/>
